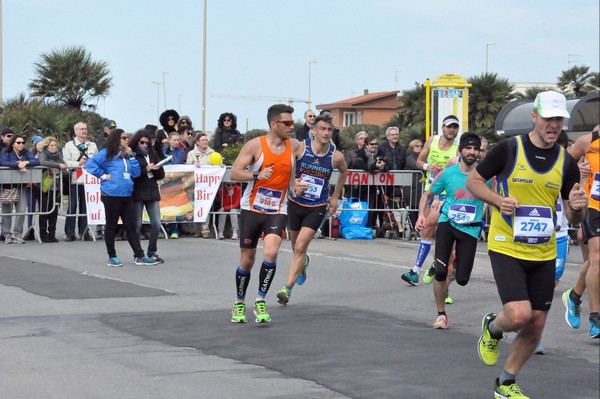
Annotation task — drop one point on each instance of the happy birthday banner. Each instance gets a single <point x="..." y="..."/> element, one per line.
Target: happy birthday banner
<point x="186" y="194"/>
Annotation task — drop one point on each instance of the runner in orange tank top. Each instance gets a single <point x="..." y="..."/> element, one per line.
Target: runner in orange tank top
<point x="267" y="163"/>
<point x="587" y="150"/>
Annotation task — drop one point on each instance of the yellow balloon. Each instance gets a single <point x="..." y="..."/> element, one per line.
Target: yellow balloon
<point x="215" y="159"/>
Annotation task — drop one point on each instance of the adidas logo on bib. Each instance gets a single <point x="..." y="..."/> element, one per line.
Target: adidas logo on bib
<point x="534" y="212"/>
<point x="463" y="209"/>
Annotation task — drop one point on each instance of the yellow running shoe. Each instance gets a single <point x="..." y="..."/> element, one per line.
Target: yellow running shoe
<point x="511" y="391"/>
<point x="488" y="346"/>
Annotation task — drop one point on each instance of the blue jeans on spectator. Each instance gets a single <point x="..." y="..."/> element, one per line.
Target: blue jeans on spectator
<point x="76" y="206"/>
<point x="153" y="210"/>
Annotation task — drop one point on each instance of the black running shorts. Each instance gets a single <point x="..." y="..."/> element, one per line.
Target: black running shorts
<point x="304" y="216"/>
<point x="590" y="227"/>
<point x="253" y="225"/>
<point x="524" y="280"/>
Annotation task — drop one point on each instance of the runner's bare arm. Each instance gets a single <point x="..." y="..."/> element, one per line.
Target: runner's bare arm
<point x="576" y="204"/>
<point x="297" y="186"/>
<point x="339" y="163"/>
<point x="297" y="147"/>
<point x="477" y="185"/>
<point x="422" y="159"/>
<point x="580" y="147"/>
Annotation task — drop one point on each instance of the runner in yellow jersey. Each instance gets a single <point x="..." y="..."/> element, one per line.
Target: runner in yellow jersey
<point x="531" y="170"/>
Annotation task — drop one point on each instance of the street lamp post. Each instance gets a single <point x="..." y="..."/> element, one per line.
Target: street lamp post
<point x="1" y="52"/>
<point x="309" y="64"/>
<point x="157" y="97"/>
<point x="397" y="72"/>
<point x="204" y="71"/>
<point x="164" y="89"/>
<point x="487" y="46"/>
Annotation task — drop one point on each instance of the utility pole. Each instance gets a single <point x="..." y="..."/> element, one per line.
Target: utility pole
<point x="397" y="72"/>
<point x="164" y="89"/>
<point x="204" y="73"/>
<point x="309" y="64"/>
<point x="157" y="98"/>
<point x="487" y="46"/>
<point x="1" y="36"/>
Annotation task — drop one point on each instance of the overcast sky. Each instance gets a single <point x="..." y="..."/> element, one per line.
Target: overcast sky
<point x="263" y="48"/>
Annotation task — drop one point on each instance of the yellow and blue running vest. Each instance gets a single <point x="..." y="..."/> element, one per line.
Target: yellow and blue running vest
<point x="529" y="233"/>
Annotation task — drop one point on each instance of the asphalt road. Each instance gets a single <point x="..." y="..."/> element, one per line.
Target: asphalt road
<point x="71" y="327"/>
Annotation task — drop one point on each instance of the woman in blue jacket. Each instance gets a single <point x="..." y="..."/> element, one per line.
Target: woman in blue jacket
<point x="115" y="165"/>
<point x="16" y="156"/>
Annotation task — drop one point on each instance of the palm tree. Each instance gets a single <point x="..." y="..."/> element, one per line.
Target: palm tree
<point x="574" y="81"/>
<point x="18" y="112"/>
<point x="69" y="77"/>
<point x="413" y="110"/>
<point x="530" y="93"/>
<point x="594" y="81"/>
<point x="487" y="96"/>
<point x="32" y="116"/>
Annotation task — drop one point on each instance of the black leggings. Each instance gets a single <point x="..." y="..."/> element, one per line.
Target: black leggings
<point x="466" y="247"/>
<point x="116" y="207"/>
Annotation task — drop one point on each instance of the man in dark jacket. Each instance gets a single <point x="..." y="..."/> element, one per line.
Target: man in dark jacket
<point x="304" y="132"/>
<point x="394" y="155"/>
<point x="393" y="152"/>
<point x="370" y="159"/>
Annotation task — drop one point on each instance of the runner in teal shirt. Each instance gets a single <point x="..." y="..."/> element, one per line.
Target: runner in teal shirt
<point x="459" y="224"/>
<point x="461" y="208"/>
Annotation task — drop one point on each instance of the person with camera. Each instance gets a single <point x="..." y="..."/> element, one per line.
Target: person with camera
<point x="371" y="159"/>
<point x="76" y="153"/>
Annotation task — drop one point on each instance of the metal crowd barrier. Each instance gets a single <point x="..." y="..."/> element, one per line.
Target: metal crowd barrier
<point x="392" y="198"/>
<point x="396" y="194"/>
<point x="29" y="184"/>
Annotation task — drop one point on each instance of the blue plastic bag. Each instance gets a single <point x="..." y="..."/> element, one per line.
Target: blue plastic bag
<point x="354" y="213"/>
<point x="353" y="232"/>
